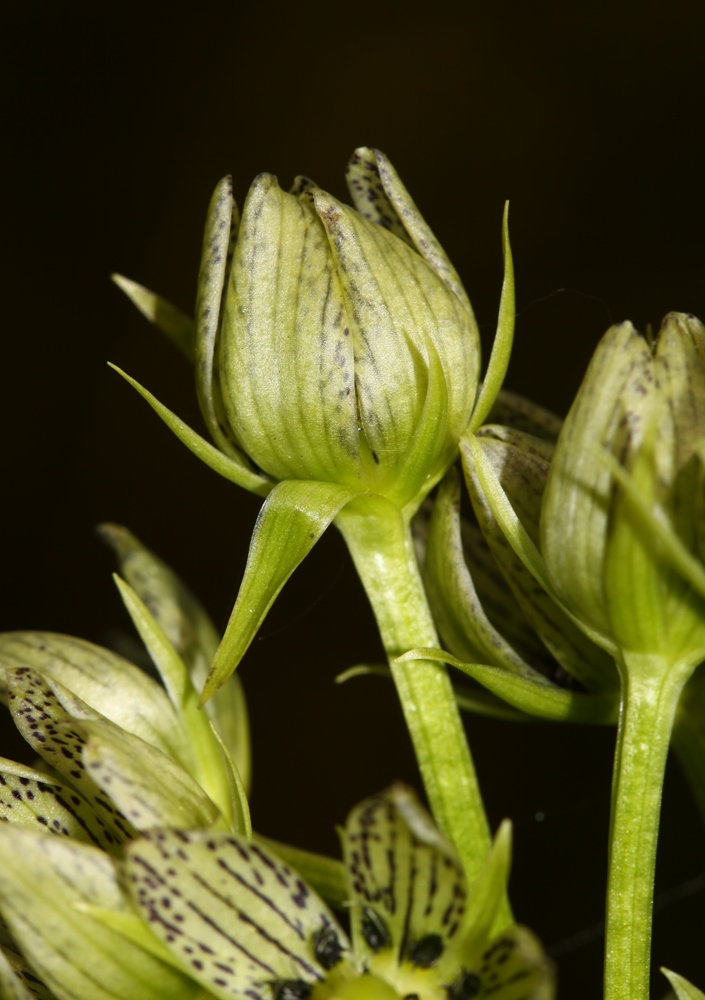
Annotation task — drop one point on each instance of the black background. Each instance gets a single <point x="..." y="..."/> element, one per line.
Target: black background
<point x="117" y="120"/>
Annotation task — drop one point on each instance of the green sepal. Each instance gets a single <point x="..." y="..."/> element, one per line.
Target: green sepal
<point x="535" y="697"/>
<point x="291" y="521"/>
<point x="487" y="892"/>
<point x="325" y="875"/>
<point x="75" y="955"/>
<point x="517" y="535"/>
<point x="479" y="701"/>
<point x="17" y="979"/>
<point x="191" y="632"/>
<point x="681" y="987"/>
<point x="234" y="467"/>
<point x="417" y="480"/>
<point x="504" y="337"/>
<point x="521" y="463"/>
<point x="655" y="520"/>
<point x="456" y="607"/>
<point x="177" y="326"/>
<point x="207" y="763"/>
<point x="239" y="806"/>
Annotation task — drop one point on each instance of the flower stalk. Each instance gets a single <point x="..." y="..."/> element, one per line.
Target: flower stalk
<point x="379" y="539"/>
<point x="649" y="703"/>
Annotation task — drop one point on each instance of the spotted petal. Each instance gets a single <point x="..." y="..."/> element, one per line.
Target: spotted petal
<point x="103" y="680"/>
<point x="17" y="981"/>
<point x="104" y="762"/>
<point x="32" y="799"/>
<point x="237" y="918"/>
<point x="75" y="956"/>
<point x="406" y="881"/>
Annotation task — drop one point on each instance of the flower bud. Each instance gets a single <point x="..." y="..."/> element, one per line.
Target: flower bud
<point x="635" y="432"/>
<point x="344" y="353"/>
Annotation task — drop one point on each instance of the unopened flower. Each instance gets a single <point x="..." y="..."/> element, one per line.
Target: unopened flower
<point x="336" y="355"/>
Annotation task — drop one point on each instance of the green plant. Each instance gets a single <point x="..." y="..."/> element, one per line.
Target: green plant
<point x="337" y="367"/>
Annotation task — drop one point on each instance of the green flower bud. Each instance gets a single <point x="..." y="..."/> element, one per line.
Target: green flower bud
<point x="633" y="434"/>
<point x="345" y="352"/>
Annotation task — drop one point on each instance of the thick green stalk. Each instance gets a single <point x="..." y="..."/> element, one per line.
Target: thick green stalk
<point x="379" y="540"/>
<point x="649" y="702"/>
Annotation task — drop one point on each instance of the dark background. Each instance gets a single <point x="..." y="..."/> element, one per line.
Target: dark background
<point x="117" y="120"/>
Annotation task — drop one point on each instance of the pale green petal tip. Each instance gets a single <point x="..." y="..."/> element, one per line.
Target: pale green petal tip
<point x="504" y="337"/>
<point x="681" y="987"/>
<point x="237" y="471"/>
<point x="177" y="326"/>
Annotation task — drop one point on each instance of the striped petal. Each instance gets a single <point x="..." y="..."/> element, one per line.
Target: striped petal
<point x="240" y="921"/>
<point x="406" y="881"/>
<point x="74" y="955"/>
<point x="106" y="682"/>
<point x="286" y="354"/>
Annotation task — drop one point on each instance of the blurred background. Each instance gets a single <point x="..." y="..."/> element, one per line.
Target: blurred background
<point x="117" y="122"/>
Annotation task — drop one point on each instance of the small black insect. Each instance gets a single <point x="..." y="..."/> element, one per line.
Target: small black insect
<point x="374" y="930"/>
<point x="426" y="951"/>
<point x="293" y="989"/>
<point x="327" y="947"/>
<point x="465" y="987"/>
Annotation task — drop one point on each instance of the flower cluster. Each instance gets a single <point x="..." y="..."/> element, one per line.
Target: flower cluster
<point x="128" y="867"/>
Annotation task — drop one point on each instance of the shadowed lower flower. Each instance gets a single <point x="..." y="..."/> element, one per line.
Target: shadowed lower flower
<point x="217" y="915"/>
<point x="128" y="870"/>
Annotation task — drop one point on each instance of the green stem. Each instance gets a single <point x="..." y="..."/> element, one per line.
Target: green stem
<point x="649" y="702"/>
<point x="379" y="540"/>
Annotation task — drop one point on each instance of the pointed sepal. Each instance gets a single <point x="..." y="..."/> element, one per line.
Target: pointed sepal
<point x="233" y="467"/>
<point x="681" y="987"/>
<point x="504" y="337"/>
<point x="190" y="631"/>
<point x="291" y="521"/>
<point x="206" y="762"/>
<point x="177" y="326"/>
<point x="539" y="697"/>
